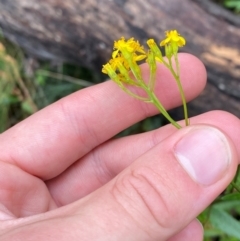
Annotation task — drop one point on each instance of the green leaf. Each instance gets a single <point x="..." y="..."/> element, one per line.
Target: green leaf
<point x="231" y="197"/>
<point x="228" y="202"/>
<point x="225" y="222"/>
<point x="227" y="205"/>
<point x="40" y="79"/>
<point x="212" y="233"/>
<point x="232" y="4"/>
<point x="26" y="106"/>
<point x="204" y="216"/>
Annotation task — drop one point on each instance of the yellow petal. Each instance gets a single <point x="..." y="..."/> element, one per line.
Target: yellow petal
<point x="140" y="57"/>
<point x="114" y="53"/>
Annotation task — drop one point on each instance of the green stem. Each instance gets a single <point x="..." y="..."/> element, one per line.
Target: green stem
<point x="177" y="78"/>
<point x="132" y="94"/>
<point x="153" y="68"/>
<point x="177" y="65"/>
<point x="160" y="107"/>
<point x="152" y="97"/>
<point x="152" y="79"/>
<point x="154" y="100"/>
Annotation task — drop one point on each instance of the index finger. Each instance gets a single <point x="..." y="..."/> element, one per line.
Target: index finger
<point x="51" y="140"/>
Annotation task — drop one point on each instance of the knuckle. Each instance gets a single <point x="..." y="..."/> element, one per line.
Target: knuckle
<point x="144" y="194"/>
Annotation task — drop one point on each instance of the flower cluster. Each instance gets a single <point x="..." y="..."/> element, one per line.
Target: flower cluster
<point x="123" y="67"/>
<point x="125" y="56"/>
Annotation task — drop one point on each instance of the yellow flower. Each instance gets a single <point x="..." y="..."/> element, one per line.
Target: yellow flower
<point x="107" y="68"/>
<point x="118" y="70"/>
<point x="130" y="46"/>
<point x="155" y="49"/>
<point x="116" y="65"/>
<point x="118" y="60"/>
<point x="173" y="36"/>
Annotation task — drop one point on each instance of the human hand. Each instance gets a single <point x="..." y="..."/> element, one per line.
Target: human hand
<point x="63" y="178"/>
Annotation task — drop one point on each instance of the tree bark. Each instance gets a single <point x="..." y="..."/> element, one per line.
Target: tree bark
<point x="83" y="32"/>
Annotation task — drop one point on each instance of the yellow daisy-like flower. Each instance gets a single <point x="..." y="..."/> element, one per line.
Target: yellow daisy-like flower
<point x="129" y="45"/>
<point x="173" y="36"/>
<point x="118" y="60"/>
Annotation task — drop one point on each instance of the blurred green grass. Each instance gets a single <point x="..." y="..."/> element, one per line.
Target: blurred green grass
<point x="27" y="85"/>
<point x="232" y="5"/>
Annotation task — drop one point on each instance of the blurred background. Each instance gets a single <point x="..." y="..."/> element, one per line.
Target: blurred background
<point x="49" y="49"/>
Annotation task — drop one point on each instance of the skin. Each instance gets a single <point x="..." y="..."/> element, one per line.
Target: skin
<point x="64" y="177"/>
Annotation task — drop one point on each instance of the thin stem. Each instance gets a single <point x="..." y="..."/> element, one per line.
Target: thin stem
<point x="160" y="107"/>
<point x="61" y="77"/>
<point x="137" y="74"/>
<point x="132" y="94"/>
<point x="154" y="100"/>
<point x="177" y="65"/>
<point x="153" y="68"/>
<point x="152" y="97"/>
<point x="177" y="78"/>
<point x="152" y="79"/>
<point x="27" y="94"/>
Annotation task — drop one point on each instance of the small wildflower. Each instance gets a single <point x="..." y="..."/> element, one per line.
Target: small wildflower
<point x="124" y="68"/>
<point x="155" y="49"/>
<point x="130" y="46"/>
<point x="108" y="69"/>
<point x="119" y="60"/>
<point x="173" y="37"/>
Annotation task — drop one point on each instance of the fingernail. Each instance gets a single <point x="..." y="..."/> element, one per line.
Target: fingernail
<point x="205" y="154"/>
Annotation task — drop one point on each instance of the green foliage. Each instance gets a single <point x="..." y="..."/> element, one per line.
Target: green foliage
<point x="9" y="76"/>
<point x="224" y="213"/>
<point x="52" y="85"/>
<point x="221" y="220"/>
<point x="224" y="222"/>
<point x="22" y="94"/>
<point x="233" y="4"/>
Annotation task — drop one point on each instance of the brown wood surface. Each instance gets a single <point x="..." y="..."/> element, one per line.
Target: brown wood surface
<point x="83" y="32"/>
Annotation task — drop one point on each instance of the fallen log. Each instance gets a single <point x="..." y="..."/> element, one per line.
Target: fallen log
<point x="83" y="32"/>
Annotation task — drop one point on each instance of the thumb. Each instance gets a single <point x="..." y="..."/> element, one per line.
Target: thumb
<point x="155" y="198"/>
<point x="167" y="187"/>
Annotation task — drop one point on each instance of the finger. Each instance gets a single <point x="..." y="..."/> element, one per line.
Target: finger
<point x="21" y="194"/>
<point x="51" y="140"/>
<point x="109" y="159"/>
<point x="193" y="231"/>
<point x="155" y="197"/>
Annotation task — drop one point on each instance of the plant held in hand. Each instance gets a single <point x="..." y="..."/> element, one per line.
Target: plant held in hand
<point x="124" y="68"/>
